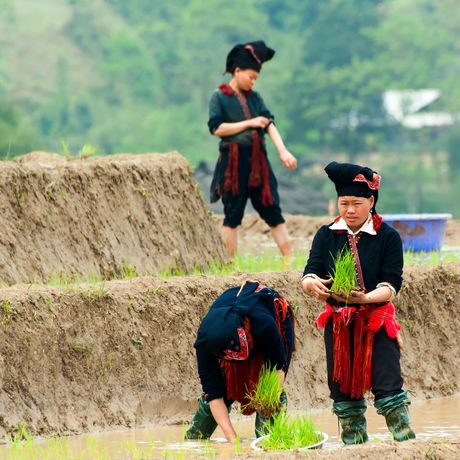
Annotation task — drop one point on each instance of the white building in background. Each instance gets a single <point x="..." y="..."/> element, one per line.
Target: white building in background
<point x="403" y="106"/>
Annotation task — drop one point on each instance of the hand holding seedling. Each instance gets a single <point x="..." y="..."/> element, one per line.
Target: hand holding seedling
<point x="316" y="287"/>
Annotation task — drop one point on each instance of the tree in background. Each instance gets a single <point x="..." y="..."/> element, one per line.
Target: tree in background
<point x="136" y="76"/>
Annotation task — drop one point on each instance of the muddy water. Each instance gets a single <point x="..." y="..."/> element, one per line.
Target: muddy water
<point x="432" y="419"/>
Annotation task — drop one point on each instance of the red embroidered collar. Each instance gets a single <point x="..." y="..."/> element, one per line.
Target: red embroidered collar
<point x="376" y="220"/>
<point x="229" y="91"/>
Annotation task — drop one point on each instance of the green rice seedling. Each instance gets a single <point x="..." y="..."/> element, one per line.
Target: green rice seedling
<point x="344" y="273"/>
<point x="290" y="433"/>
<point x="265" y="399"/>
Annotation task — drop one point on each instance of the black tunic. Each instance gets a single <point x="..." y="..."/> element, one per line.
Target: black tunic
<point x="381" y="255"/>
<point x="266" y="339"/>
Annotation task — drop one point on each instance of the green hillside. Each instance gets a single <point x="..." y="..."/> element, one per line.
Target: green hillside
<point x="116" y="75"/>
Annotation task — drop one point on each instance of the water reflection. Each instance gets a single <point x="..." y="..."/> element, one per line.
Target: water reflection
<point x="432" y="419"/>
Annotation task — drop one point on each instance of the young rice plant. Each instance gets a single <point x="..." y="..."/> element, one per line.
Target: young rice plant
<point x="266" y="397"/>
<point x="344" y="272"/>
<point x="290" y="433"/>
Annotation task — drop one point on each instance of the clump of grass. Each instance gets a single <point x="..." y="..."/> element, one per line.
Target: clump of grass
<point x="344" y="273"/>
<point x="265" y="399"/>
<point x="290" y="433"/>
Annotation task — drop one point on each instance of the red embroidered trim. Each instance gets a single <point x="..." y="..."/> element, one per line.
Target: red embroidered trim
<point x="226" y="89"/>
<point x="373" y="185"/>
<point x="243" y="353"/>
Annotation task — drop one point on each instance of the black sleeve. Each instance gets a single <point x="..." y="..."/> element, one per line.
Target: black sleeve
<point x="393" y="261"/>
<point x="316" y="260"/>
<point x="211" y="378"/>
<point x="216" y="117"/>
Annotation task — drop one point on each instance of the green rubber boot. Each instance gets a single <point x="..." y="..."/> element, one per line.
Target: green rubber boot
<point x="352" y="421"/>
<point x="203" y="424"/>
<point x="262" y="426"/>
<point x="395" y="410"/>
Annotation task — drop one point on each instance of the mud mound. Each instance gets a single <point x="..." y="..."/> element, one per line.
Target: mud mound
<point x="121" y="353"/>
<point x="413" y="450"/>
<point x="102" y="215"/>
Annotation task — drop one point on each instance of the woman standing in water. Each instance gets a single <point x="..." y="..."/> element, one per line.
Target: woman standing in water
<point x="361" y="333"/>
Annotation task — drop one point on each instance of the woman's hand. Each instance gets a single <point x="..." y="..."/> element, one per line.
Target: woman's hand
<point x="259" y="122"/>
<point x="356" y="296"/>
<point x="220" y="413"/>
<point x="316" y="287"/>
<point x="288" y="160"/>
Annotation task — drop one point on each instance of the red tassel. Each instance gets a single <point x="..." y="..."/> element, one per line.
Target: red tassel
<point x="367" y="362"/>
<point x="342" y="369"/>
<point x="231" y="171"/>
<point x="260" y="172"/>
<point x="377" y="221"/>
<point x="358" y="358"/>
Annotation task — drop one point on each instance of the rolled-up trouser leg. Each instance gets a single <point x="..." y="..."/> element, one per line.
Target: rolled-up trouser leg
<point x="352" y="420"/>
<point x="203" y="423"/>
<point x="395" y="410"/>
<point x="263" y="423"/>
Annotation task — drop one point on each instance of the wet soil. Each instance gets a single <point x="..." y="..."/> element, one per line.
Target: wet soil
<point x="121" y="353"/>
<point x="85" y="357"/>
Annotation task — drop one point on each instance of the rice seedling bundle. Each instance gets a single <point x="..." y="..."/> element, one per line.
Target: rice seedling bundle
<point x="291" y="433"/>
<point x="266" y="397"/>
<point x="344" y="273"/>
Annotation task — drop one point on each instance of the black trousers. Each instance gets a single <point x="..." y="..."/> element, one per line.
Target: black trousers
<point x="234" y="205"/>
<point x="386" y="369"/>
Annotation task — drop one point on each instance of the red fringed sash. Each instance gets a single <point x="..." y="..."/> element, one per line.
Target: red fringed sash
<point x="260" y="172"/>
<point x="355" y="378"/>
<point x="242" y="376"/>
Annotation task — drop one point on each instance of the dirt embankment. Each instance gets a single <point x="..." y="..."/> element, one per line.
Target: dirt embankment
<point x="102" y="215"/>
<point x="121" y="353"/>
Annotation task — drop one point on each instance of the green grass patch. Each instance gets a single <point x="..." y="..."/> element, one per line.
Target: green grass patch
<point x="291" y="433"/>
<point x="266" y="397"/>
<point x="344" y="272"/>
<point x="431" y="258"/>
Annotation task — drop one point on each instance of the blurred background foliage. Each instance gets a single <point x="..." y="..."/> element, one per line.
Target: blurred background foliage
<point x="136" y="77"/>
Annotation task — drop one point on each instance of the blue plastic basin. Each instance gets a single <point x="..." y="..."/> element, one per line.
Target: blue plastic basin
<point x="419" y="232"/>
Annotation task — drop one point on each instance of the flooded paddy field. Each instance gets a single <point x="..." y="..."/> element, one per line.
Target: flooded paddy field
<point x="435" y="421"/>
<point x="106" y="370"/>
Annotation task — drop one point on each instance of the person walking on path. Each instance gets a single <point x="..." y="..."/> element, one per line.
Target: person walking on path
<point x="239" y="117"/>
<point x="246" y="327"/>
<point x="360" y="329"/>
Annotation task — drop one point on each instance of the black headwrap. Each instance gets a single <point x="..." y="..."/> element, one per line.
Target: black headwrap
<point x="354" y="180"/>
<point x="249" y="55"/>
